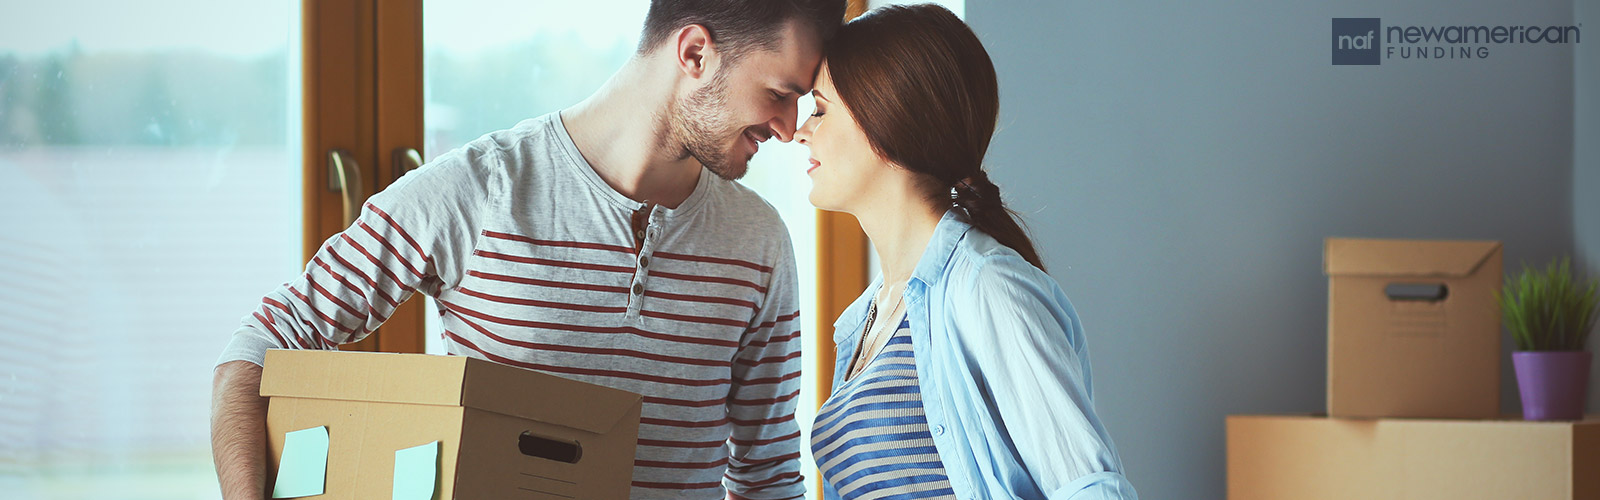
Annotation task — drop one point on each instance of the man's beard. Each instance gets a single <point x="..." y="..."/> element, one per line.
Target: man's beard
<point x="698" y="125"/>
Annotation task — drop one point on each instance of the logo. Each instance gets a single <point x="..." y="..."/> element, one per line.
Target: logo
<point x="1357" y="41"/>
<point x="1365" y="41"/>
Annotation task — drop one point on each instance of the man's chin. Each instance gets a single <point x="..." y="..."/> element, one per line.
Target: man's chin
<point x="730" y="171"/>
<point x="732" y="165"/>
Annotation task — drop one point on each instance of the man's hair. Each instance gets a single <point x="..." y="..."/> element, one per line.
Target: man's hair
<point x="738" y="26"/>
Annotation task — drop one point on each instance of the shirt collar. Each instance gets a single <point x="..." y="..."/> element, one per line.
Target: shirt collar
<point x="953" y="226"/>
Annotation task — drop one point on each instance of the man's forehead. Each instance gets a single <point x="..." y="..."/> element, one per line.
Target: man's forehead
<point x="797" y="59"/>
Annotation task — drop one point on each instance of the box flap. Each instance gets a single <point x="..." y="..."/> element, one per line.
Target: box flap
<point x="363" y="376"/>
<point x="447" y="381"/>
<point x="1369" y="257"/>
<point x="529" y="394"/>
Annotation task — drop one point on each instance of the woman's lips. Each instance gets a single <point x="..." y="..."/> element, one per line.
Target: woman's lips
<point x="814" y="165"/>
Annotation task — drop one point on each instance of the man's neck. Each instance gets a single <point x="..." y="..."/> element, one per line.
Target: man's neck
<point x="623" y="132"/>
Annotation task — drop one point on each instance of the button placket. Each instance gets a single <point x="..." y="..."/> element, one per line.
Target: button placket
<point x="646" y="226"/>
<point x="642" y="244"/>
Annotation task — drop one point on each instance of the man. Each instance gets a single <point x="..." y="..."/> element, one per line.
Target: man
<point x="605" y="243"/>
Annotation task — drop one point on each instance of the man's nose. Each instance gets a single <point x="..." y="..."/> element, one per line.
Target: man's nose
<point x="782" y="128"/>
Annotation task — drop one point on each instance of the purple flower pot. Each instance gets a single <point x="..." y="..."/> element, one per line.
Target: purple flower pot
<point x="1553" y="383"/>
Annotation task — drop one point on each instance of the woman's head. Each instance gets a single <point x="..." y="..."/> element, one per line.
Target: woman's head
<point x="907" y="95"/>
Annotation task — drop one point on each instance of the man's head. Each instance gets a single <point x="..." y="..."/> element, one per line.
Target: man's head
<point x="744" y="64"/>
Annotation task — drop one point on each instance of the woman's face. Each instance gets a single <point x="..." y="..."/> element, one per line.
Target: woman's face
<point x="844" y="169"/>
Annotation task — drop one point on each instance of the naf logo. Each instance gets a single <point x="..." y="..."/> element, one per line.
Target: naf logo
<point x="1357" y="40"/>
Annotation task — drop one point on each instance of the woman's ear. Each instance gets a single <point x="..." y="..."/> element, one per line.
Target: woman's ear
<point x="694" y="50"/>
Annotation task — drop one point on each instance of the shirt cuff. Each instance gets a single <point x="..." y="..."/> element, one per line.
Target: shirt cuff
<point x="1097" y="486"/>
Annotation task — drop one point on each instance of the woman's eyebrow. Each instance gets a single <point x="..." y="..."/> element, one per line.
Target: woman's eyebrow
<point x="818" y="94"/>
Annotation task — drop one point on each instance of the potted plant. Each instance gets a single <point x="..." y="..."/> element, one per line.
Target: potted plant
<point x="1550" y="315"/>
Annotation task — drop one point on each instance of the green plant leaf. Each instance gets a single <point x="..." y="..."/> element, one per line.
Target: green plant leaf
<point x="1549" y="310"/>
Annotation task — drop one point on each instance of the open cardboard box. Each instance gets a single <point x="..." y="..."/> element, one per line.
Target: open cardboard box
<point x="1307" y="457"/>
<point x="503" y="432"/>
<point x="1413" y="328"/>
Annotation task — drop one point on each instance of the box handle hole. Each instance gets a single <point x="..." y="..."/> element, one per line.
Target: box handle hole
<point x="559" y="450"/>
<point x="1425" y="292"/>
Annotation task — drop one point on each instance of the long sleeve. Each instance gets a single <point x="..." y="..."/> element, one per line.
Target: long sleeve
<point x="410" y="237"/>
<point x="1027" y="343"/>
<point x="764" y="458"/>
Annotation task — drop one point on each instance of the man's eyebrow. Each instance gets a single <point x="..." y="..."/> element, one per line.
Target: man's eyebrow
<point x="794" y="88"/>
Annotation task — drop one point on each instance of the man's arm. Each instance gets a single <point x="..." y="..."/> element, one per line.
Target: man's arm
<point x="764" y="458"/>
<point x="239" y="430"/>
<point x="409" y="237"/>
<point x="336" y="301"/>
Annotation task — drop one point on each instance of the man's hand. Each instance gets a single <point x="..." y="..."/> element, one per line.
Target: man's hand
<point x="239" y="430"/>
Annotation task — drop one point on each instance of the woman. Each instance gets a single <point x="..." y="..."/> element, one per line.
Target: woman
<point x="963" y="372"/>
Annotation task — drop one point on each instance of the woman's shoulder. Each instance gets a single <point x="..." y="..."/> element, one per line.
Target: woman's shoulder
<point x="979" y="261"/>
<point x="986" y="278"/>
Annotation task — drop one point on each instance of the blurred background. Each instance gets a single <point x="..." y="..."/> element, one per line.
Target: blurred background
<point x="1179" y="163"/>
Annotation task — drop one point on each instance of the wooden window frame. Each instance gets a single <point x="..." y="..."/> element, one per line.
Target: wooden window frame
<point x="362" y="84"/>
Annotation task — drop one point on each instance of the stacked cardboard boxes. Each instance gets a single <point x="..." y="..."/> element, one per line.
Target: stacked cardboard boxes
<point x="1413" y="392"/>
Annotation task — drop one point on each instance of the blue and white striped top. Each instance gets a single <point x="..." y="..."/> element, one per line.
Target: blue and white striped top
<point x="871" y="439"/>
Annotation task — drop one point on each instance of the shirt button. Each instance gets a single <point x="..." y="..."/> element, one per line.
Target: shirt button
<point x="938" y="430"/>
<point x="638" y="289"/>
<point x="639" y="234"/>
<point x="644" y="261"/>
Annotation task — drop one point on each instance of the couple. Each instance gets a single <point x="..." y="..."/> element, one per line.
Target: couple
<point x="607" y="243"/>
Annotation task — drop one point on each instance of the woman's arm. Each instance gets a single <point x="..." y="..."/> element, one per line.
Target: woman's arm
<point x="1024" y="338"/>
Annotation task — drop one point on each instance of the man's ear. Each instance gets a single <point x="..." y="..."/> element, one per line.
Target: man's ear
<point x="694" y="50"/>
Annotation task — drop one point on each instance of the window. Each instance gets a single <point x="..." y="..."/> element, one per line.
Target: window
<point x="149" y="195"/>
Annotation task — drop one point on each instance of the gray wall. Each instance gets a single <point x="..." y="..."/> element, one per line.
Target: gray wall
<point x="1586" y="164"/>
<point x="1181" y="164"/>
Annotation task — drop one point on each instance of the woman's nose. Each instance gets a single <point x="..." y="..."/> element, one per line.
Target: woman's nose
<point x="802" y="135"/>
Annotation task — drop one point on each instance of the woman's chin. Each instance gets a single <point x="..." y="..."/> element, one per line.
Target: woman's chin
<point x="820" y="200"/>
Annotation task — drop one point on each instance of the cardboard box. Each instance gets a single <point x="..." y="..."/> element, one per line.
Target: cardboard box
<point x="503" y="432"/>
<point x="1413" y="328"/>
<point x="1314" y="458"/>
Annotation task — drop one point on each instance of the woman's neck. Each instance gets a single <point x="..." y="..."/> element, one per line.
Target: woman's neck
<point x="900" y="226"/>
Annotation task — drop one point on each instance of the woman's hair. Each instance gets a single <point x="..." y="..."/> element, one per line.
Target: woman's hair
<point x="922" y="88"/>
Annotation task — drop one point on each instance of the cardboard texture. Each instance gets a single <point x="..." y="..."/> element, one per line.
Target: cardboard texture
<point x="1315" y="458"/>
<point x="502" y="431"/>
<point x="1413" y="328"/>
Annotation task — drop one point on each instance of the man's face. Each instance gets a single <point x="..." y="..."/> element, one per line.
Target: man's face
<point x="724" y="121"/>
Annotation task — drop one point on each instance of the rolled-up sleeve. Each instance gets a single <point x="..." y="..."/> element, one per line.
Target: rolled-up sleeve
<point x="1097" y="486"/>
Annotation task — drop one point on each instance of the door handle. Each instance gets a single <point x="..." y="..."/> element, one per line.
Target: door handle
<point x="405" y="160"/>
<point x="344" y="177"/>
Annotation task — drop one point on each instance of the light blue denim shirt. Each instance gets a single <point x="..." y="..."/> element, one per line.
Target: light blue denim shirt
<point x="1004" y="371"/>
